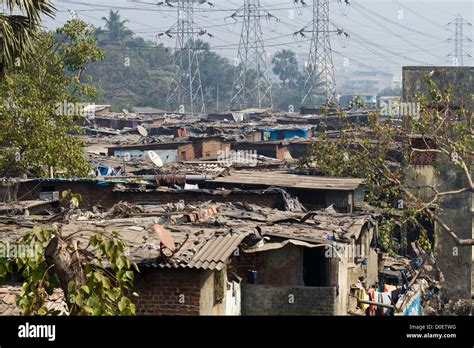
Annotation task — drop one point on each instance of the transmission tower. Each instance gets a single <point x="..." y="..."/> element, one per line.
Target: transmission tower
<point x="185" y="89"/>
<point x="252" y="86"/>
<point x="320" y="83"/>
<point x="459" y="38"/>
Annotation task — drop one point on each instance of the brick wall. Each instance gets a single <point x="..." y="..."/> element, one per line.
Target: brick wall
<point x="209" y="147"/>
<point x="422" y="158"/>
<point x="281" y="152"/>
<point x="168" y="292"/>
<point x="189" y="149"/>
<point x="212" y="148"/>
<point x="243" y="263"/>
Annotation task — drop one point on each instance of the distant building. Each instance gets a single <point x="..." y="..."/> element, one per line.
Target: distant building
<point x="369" y="99"/>
<point x="368" y="82"/>
<point x="149" y="112"/>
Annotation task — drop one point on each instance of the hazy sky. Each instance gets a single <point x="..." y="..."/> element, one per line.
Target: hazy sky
<point x="385" y="34"/>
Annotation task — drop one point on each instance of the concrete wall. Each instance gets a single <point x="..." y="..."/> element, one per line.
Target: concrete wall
<point x="278" y="267"/>
<point x="461" y="79"/>
<point x="282" y="267"/>
<point x="280" y="270"/>
<point x="209" y="304"/>
<point x="454" y="261"/>
<point x="298" y="150"/>
<point x="288" y="300"/>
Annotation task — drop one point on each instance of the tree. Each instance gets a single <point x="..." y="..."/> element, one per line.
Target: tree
<point x="130" y="77"/>
<point x="217" y="76"/>
<point x="381" y="153"/>
<point x="390" y="92"/>
<point x="115" y="28"/>
<point x="135" y="72"/>
<point x="17" y="30"/>
<point x="94" y="279"/>
<point x="43" y="99"/>
<point x="287" y="95"/>
<point x="286" y="67"/>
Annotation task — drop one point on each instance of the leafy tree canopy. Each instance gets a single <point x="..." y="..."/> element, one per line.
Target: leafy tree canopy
<point x="42" y="100"/>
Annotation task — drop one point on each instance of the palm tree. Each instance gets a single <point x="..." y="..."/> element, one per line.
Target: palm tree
<point x="115" y="27"/>
<point x="285" y="66"/>
<point x="17" y="25"/>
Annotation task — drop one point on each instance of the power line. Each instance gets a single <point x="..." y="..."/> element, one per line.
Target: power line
<point x="375" y="17"/>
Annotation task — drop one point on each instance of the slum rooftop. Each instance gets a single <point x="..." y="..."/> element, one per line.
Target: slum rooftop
<point x="206" y="233"/>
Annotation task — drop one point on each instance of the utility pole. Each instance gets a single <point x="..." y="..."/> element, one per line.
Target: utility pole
<point x="252" y="86"/>
<point x="459" y="38"/>
<point x="320" y="83"/>
<point x="185" y="92"/>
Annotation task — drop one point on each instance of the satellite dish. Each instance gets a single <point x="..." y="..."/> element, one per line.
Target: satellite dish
<point x="164" y="237"/>
<point x="142" y="131"/>
<point x="156" y="159"/>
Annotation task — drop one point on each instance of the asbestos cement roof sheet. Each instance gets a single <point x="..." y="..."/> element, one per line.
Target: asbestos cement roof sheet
<point x="283" y="179"/>
<point x="214" y="253"/>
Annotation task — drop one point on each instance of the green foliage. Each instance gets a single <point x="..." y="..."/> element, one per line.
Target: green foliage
<point x="356" y="102"/>
<point x="128" y="77"/>
<point x="74" y="198"/>
<point x="137" y="72"/>
<point x="217" y="76"/>
<point x="30" y="264"/>
<point x="18" y="23"/>
<point x="101" y="282"/>
<point x="107" y="278"/>
<point x="389" y="92"/>
<point x="286" y="67"/>
<point x="292" y="88"/>
<point x="115" y="29"/>
<point x="36" y="131"/>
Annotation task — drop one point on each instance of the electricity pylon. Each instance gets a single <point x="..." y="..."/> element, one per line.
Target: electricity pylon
<point x="459" y="38"/>
<point x="320" y="83"/>
<point x="185" y="89"/>
<point x="252" y="86"/>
